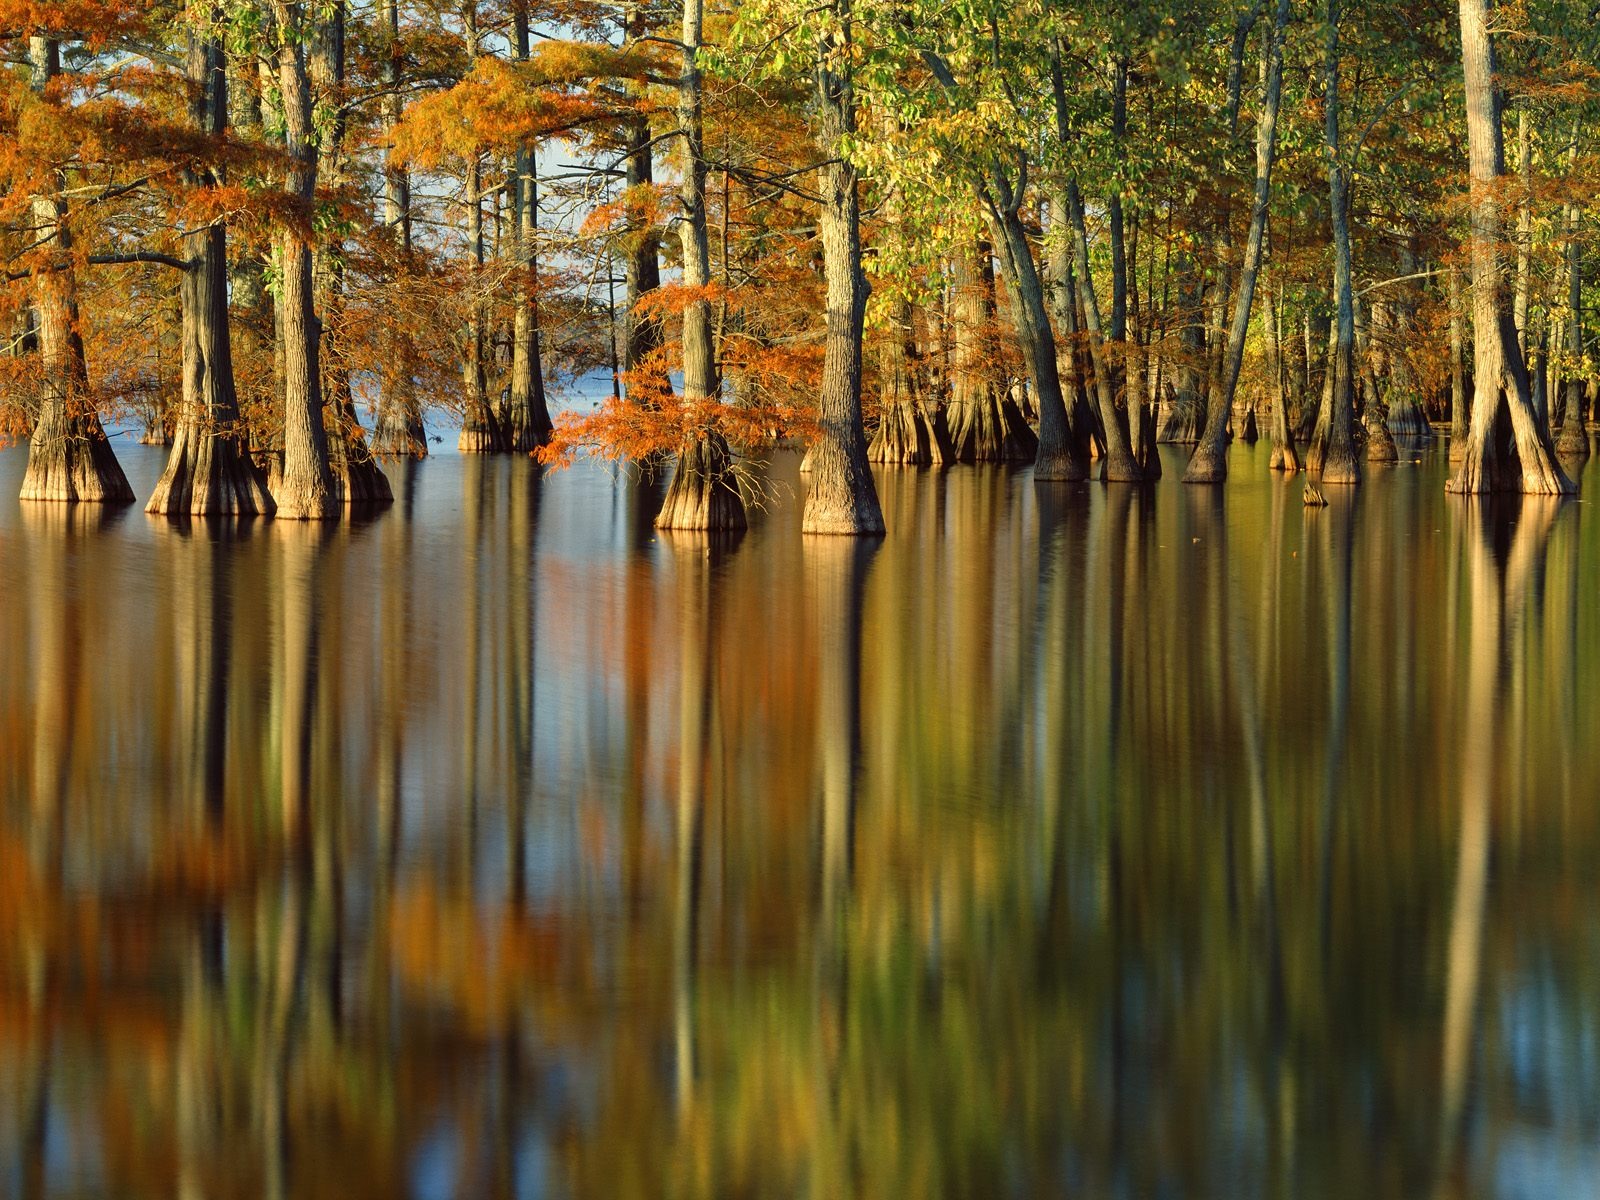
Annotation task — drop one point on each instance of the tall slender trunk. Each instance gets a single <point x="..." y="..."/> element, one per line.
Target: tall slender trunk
<point x="842" y="497"/>
<point x="69" y="457"/>
<point x="399" y="429"/>
<point x="641" y="259"/>
<point x="1460" y="401"/>
<point x="1574" y="441"/>
<point x="1333" y="446"/>
<point x="1064" y="309"/>
<point x="525" y="415"/>
<point x="357" y="478"/>
<point x="210" y="469"/>
<point x="703" y="493"/>
<point x="1210" y="461"/>
<point x="1284" y="455"/>
<point x="305" y="489"/>
<point x="480" y="430"/>
<point x="1506" y="446"/>
<point x="1120" y="466"/>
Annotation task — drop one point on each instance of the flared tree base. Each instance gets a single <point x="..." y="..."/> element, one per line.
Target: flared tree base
<point x="1334" y="462"/>
<point x="358" y="480"/>
<point x="703" y="494"/>
<point x="523" y="427"/>
<point x="990" y="429"/>
<point x="399" y="435"/>
<point x="1573" y="444"/>
<point x="1380" y="444"/>
<point x="1249" y="431"/>
<point x="70" y="461"/>
<point x="1406" y="419"/>
<point x="304" y="492"/>
<point x="842" y="498"/>
<point x="1208" y="464"/>
<point x="911" y="434"/>
<point x="1185" y="422"/>
<point x="210" y="474"/>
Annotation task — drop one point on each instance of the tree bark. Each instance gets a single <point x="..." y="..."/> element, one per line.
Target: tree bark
<point x="69" y="457"/>
<point x="1507" y="448"/>
<point x="842" y="497"/>
<point x="703" y="494"/>
<point x="210" y="469"/>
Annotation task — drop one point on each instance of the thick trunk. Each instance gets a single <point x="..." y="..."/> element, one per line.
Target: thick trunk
<point x="842" y="497"/>
<point x="703" y="493"/>
<point x="985" y="426"/>
<point x="69" y="457"/>
<point x="1333" y="445"/>
<point x="1506" y="445"/>
<point x="305" y="488"/>
<point x="1460" y="401"/>
<point x="399" y="431"/>
<point x="525" y="415"/>
<point x="1210" y="461"/>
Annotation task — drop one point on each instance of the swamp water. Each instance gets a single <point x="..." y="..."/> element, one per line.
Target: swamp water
<point x="1071" y="840"/>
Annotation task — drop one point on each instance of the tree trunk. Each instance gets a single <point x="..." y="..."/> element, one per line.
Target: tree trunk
<point x="210" y="469"/>
<point x="703" y="493"/>
<point x="1460" y="401"/>
<point x="1506" y="446"/>
<point x="1284" y="455"/>
<point x="1120" y="466"/>
<point x="1209" y="463"/>
<point x="69" y="457"/>
<point x="1375" y="412"/>
<point x="525" y="416"/>
<point x="1186" y="420"/>
<point x="357" y="478"/>
<point x="1574" y="441"/>
<point x="399" y="431"/>
<point x="305" y="488"/>
<point x="842" y="497"/>
<point x="1333" y="445"/>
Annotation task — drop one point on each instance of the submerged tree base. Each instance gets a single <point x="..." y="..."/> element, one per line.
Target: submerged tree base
<point x="911" y="434"/>
<point x="1406" y="419"/>
<point x="1380" y="443"/>
<point x="72" y="462"/>
<point x="703" y="493"/>
<point x="1185" y="421"/>
<point x="399" y="435"/>
<point x="210" y="473"/>
<point x="1573" y="444"/>
<point x="842" y="499"/>
<point x="522" y="429"/>
<point x="990" y="428"/>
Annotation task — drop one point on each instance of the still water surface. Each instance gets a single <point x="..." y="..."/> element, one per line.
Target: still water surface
<point x="1070" y="841"/>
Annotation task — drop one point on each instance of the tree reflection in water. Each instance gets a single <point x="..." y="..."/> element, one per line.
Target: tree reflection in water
<point x="1070" y="840"/>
